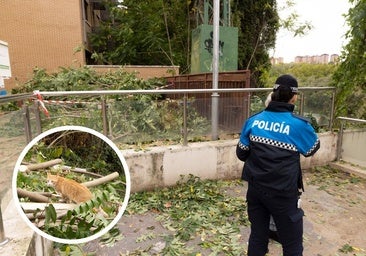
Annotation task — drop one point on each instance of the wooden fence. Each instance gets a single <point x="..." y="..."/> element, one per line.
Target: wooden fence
<point x="233" y="107"/>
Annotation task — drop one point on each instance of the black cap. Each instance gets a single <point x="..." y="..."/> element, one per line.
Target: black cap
<point x="287" y="81"/>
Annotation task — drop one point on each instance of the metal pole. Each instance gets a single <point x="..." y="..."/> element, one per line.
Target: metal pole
<point x="215" y="71"/>
<point x="331" y="119"/>
<point x="38" y="117"/>
<point x="249" y="112"/>
<point x="339" y="144"/>
<point x="3" y="239"/>
<point x="27" y="125"/>
<point x="105" y="117"/>
<point x="205" y="12"/>
<point x="302" y="103"/>
<point x="185" y="132"/>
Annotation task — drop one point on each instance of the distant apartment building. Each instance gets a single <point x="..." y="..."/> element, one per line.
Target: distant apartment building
<point x="317" y="59"/>
<point x="278" y="60"/>
<point x="334" y="58"/>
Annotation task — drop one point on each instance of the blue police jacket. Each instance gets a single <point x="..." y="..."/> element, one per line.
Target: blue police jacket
<point x="271" y="142"/>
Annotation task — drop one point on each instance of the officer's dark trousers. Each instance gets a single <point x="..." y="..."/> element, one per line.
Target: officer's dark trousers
<point x="288" y="219"/>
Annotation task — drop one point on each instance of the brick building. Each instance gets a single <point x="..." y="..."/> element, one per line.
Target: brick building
<point x="41" y="34"/>
<point x="51" y="34"/>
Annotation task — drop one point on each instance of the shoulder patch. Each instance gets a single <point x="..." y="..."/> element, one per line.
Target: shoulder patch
<point x="256" y="114"/>
<point x="301" y="118"/>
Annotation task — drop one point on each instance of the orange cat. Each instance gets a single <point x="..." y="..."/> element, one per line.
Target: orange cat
<point x="69" y="189"/>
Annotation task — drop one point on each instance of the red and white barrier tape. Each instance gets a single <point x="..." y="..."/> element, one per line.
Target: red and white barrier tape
<point x="41" y="103"/>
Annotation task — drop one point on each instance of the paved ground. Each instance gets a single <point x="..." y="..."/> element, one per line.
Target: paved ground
<point x="16" y="230"/>
<point x="335" y="217"/>
<point x="10" y="149"/>
<point x="335" y="211"/>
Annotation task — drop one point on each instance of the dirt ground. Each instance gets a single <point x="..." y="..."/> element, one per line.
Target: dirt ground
<point x="335" y="214"/>
<point x="10" y="149"/>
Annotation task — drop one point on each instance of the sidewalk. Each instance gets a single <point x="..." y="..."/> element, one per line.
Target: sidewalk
<point x="17" y="232"/>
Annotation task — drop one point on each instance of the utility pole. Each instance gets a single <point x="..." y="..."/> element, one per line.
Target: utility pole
<point x="215" y="71"/>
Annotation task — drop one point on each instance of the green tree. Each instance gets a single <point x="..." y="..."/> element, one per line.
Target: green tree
<point x="316" y="103"/>
<point x="350" y="76"/>
<point x="159" y="33"/>
<point x="292" y="21"/>
<point x="112" y="40"/>
<point x="146" y="33"/>
<point x="258" y="23"/>
<point x="307" y="74"/>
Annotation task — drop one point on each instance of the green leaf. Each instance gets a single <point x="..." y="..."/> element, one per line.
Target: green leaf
<point x="51" y="214"/>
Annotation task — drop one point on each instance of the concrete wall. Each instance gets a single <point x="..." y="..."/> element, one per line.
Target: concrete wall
<point x="40" y="246"/>
<point x="162" y="166"/>
<point x="353" y="147"/>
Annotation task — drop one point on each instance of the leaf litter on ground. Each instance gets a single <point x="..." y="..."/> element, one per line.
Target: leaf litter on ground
<point x="209" y="211"/>
<point x="207" y="217"/>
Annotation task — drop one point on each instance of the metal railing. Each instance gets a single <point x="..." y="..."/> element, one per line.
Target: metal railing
<point x="16" y="97"/>
<point x="184" y="92"/>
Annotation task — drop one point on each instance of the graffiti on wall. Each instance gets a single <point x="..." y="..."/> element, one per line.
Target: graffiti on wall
<point x="202" y="49"/>
<point x="209" y="45"/>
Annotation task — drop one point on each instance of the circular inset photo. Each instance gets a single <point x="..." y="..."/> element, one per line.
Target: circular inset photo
<point x="71" y="184"/>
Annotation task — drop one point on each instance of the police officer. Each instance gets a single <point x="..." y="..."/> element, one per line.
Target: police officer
<point x="270" y="145"/>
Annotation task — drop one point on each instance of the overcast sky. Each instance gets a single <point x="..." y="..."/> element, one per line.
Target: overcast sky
<point x="327" y="35"/>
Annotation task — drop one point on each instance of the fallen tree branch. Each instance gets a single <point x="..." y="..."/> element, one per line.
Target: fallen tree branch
<point x="33" y="196"/>
<point x="102" y="180"/>
<point x="32" y="167"/>
<point x="37" y="210"/>
<point x="80" y="170"/>
<point x="30" y="207"/>
<point x="48" y="194"/>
